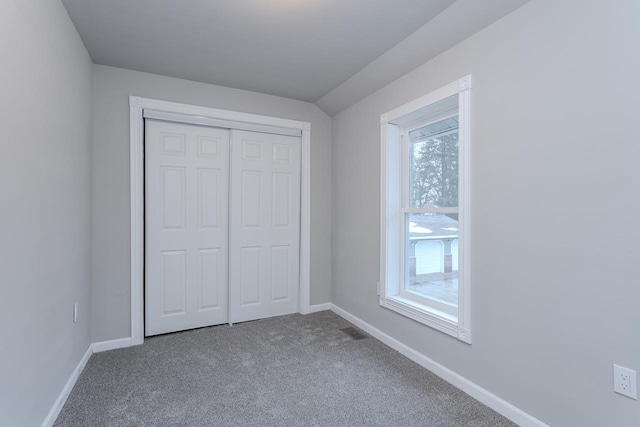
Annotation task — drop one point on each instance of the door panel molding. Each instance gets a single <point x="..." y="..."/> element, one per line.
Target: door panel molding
<point x="186" y="227"/>
<point x="264" y="227"/>
<point x="137" y="106"/>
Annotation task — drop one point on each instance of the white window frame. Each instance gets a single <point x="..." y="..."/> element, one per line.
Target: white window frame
<point x="394" y="128"/>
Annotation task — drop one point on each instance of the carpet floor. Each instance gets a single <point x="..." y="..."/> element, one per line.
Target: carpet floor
<point x="286" y="371"/>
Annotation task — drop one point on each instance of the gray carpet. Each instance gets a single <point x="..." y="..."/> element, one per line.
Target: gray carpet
<point x="286" y="371"/>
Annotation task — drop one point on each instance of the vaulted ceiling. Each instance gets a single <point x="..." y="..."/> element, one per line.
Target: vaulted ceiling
<point x="299" y="49"/>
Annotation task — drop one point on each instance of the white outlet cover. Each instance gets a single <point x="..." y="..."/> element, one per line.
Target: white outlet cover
<point x="624" y="381"/>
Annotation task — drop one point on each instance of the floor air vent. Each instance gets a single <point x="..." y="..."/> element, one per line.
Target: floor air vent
<point x="353" y="333"/>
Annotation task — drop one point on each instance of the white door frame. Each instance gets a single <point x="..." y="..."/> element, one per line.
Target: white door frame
<point x="137" y="105"/>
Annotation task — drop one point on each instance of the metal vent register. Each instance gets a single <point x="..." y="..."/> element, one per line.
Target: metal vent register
<point x="353" y="333"/>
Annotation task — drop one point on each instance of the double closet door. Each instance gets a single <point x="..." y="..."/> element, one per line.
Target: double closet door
<point x="222" y="226"/>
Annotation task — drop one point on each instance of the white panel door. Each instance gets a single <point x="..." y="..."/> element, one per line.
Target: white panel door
<point x="264" y="225"/>
<point x="186" y="226"/>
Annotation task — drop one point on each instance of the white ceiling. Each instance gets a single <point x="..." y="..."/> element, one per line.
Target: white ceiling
<point x="330" y="52"/>
<point x="459" y="21"/>
<point x="300" y="49"/>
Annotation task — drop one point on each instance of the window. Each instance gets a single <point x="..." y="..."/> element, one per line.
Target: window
<point x="425" y="265"/>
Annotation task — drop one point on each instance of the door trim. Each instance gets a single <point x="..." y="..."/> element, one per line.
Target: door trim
<point x="137" y="105"/>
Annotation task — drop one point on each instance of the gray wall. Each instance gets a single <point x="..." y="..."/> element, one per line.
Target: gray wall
<point x="45" y="226"/>
<point x="555" y="207"/>
<point x="111" y="236"/>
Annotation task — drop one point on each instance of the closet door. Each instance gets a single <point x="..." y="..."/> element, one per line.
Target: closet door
<point x="186" y="226"/>
<point x="264" y="225"/>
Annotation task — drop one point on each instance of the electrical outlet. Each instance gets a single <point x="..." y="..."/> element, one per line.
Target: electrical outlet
<point x="75" y="312"/>
<point x="624" y="381"/>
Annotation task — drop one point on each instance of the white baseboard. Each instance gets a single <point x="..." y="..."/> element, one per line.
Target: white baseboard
<point x="111" y="345"/>
<point x="319" y="307"/>
<point x="96" y="347"/>
<point x="499" y="405"/>
<point x="66" y="390"/>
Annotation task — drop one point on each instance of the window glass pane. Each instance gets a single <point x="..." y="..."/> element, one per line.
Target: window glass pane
<point x="431" y="259"/>
<point x="433" y="165"/>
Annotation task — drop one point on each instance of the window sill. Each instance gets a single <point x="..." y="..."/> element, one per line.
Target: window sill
<point x="426" y="315"/>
